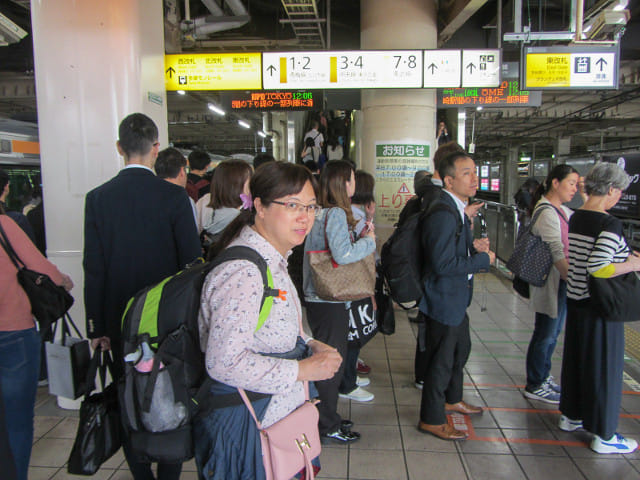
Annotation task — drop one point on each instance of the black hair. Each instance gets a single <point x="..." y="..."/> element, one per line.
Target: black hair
<point x="309" y="142"/>
<point x="136" y="134"/>
<point x="364" y="188"/>
<point x="169" y="163"/>
<point x="4" y="180"/>
<point x="261" y="159"/>
<point x="199" y="160"/>
<point x="447" y="165"/>
<point x="559" y="172"/>
<point x="444" y="150"/>
<point x="271" y="181"/>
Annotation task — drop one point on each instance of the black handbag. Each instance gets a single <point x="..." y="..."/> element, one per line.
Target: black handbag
<point x="385" y="314"/>
<point x="616" y="299"/>
<point x="520" y="286"/>
<point x="363" y="325"/>
<point x="98" y="435"/>
<point x="49" y="301"/>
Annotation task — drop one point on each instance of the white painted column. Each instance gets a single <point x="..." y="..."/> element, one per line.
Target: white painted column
<point x="397" y="114"/>
<point x="95" y="63"/>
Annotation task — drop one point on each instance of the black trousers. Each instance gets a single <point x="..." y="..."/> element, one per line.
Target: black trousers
<point x="592" y="368"/>
<point x="447" y="352"/>
<point x="420" y="362"/>
<point x="329" y="323"/>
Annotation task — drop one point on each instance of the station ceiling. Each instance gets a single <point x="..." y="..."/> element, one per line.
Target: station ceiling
<point x="592" y="120"/>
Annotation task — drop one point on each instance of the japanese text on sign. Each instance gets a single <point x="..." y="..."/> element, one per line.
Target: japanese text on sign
<point x="266" y="100"/>
<point x="507" y="95"/>
<point x="209" y="71"/>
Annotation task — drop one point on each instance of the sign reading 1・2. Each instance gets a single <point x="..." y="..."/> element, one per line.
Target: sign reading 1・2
<point x="343" y="69"/>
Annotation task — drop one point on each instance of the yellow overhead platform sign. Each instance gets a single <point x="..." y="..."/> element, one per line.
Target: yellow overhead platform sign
<point x="213" y="71"/>
<point x="548" y="70"/>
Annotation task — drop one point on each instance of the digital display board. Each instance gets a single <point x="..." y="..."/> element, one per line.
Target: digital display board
<point x="571" y="67"/>
<point x="484" y="184"/>
<point x="212" y="71"/>
<point x="508" y="94"/>
<point x="272" y="100"/>
<point x="484" y="171"/>
<point x="495" y="184"/>
<point x="523" y="169"/>
<point x="342" y="69"/>
<point x="629" y="203"/>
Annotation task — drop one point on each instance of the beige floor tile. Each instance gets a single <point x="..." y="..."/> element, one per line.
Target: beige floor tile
<point x="363" y="414"/>
<point x="67" y="428"/>
<point x="378" y="437"/>
<point x="102" y="474"/>
<point x="610" y="468"/>
<point x="190" y="466"/>
<point x="384" y="395"/>
<point x="41" y="473"/>
<point x="51" y="452"/>
<point x="495" y="467"/>
<point x="377" y="465"/>
<point x="550" y="467"/>
<point x="423" y="465"/>
<point x="116" y="461"/>
<point x="122" y="475"/>
<point x="334" y="462"/>
<point x="42" y="425"/>
<point x="409" y="414"/>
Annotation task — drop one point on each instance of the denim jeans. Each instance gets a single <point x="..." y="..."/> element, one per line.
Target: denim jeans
<point x="19" y="370"/>
<point x="543" y="341"/>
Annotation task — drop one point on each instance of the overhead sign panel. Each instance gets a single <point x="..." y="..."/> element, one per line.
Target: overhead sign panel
<point x="213" y="71"/>
<point x="342" y="69"/>
<point x="481" y="68"/>
<point x="272" y="100"/>
<point x="508" y="94"/>
<point x="442" y="68"/>
<point x="581" y="67"/>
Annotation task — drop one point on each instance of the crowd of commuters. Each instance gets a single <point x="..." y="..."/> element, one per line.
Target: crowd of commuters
<point x="155" y="218"/>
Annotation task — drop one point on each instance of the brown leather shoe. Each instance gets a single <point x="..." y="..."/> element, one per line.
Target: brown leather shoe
<point x="463" y="407"/>
<point x="444" y="431"/>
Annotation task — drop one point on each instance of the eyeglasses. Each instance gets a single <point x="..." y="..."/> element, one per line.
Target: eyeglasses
<point x="295" y="208"/>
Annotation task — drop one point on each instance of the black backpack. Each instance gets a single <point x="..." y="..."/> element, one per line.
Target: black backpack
<point x="402" y="256"/>
<point x="161" y="323"/>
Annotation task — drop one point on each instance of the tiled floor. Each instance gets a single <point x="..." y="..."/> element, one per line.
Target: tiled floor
<point x="515" y="439"/>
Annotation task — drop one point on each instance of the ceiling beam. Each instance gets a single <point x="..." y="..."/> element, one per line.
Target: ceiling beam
<point x="454" y="14"/>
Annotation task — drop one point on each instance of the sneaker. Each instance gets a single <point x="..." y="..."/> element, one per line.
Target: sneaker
<point x="419" y="384"/>
<point x="616" y="444"/>
<point x="549" y="382"/>
<point x="542" y="393"/>
<point x="362" y="382"/>
<point x="340" y="436"/>
<point x="358" y="395"/>
<point x="362" y="368"/>
<point x="568" y="425"/>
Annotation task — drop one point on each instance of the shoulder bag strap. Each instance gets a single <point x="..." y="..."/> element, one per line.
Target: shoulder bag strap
<point x="11" y="253"/>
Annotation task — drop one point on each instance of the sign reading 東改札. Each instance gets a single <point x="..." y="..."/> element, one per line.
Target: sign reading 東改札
<point x="213" y="71"/>
<point x="571" y="67"/>
<point x="272" y="100"/>
<point x="396" y="165"/>
<point x="508" y="94"/>
<point x="342" y="69"/>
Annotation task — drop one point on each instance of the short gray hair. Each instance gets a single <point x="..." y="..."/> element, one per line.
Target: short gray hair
<point x="603" y="176"/>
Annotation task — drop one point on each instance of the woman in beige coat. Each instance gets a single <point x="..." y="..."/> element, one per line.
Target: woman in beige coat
<point x="550" y="220"/>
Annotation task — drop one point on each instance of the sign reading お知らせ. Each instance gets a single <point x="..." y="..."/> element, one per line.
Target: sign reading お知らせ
<point x="396" y="164"/>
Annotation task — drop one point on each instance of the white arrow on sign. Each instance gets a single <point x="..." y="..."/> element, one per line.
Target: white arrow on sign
<point x="442" y="68"/>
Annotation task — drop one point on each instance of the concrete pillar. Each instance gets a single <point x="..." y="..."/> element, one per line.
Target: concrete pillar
<point x="95" y="63"/>
<point x="395" y="114"/>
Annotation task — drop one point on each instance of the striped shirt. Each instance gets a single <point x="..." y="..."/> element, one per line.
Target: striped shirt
<point x="595" y="242"/>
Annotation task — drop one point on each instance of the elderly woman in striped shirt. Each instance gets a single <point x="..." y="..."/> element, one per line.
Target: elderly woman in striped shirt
<point x="592" y="362"/>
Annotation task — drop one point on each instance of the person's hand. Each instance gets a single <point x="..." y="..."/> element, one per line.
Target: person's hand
<point x="317" y="346"/>
<point x="481" y="245"/>
<point x="319" y="366"/>
<point x="471" y="210"/>
<point x="104" y="342"/>
<point x="67" y="283"/>
<point x="492" y="257"/>
<point x="634" y="261"/>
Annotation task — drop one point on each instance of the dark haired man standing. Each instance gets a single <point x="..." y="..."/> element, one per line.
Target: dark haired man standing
<point x="198" y="186"/>
<point x="452" y="256"/>
<point x="138" y="230"/>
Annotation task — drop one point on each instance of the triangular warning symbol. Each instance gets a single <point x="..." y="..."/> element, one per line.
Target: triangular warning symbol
<point x="404" y="189"/>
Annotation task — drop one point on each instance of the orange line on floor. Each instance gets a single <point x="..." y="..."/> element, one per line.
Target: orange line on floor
<point x="506" y="385"/>
<point x="530" y="441"/>
<point x="544" y="411"/>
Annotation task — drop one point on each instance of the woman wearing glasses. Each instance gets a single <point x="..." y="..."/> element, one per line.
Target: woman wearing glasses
<point x="329" y="321"/>
<point x="270" y="359"/>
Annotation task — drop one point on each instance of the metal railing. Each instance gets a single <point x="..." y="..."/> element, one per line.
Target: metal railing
<point x="502" y="227"/>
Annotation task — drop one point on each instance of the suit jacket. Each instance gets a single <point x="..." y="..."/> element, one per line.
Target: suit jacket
<point x="449" y="259"/>
<point x="138" y="230"/>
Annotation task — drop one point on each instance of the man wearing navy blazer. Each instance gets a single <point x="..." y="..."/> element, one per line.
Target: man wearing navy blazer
<point x="452" y="256"/>
<point x="138" y="230"/>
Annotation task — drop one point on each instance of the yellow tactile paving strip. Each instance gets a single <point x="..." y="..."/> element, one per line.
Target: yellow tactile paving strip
<point x="632" y="342"/>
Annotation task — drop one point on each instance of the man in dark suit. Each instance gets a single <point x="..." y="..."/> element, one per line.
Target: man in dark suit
<point x="451" y="257"/>
<point x="138" y="230"/>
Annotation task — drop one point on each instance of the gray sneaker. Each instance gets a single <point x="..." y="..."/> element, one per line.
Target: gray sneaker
<point x="552" y="384"/>
<point x="544" y="393"/>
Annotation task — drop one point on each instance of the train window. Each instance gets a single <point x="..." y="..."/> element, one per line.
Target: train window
<point x="23" y="183"/>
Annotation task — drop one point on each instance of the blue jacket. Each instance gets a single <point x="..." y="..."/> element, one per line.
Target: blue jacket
<point x="445" y="243"/>
<point x="339" y="242"/>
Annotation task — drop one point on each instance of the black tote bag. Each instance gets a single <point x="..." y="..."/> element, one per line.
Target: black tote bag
<point x="98" y="435"/>
<point x="616" y="299"/>
<point x="385" y="315"/>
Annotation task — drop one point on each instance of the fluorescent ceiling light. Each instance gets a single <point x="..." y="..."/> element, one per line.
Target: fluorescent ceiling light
<point x="262" y="134"/>
<point x="181" y="92"/>
<point x="215" y="109"/>
<point x="243" y="124"/>
<point x="621" y="5"/>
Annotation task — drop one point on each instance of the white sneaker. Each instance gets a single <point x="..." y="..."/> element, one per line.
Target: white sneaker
<point x="550" y="382"/>
<point x="358" y="395"/>
<point x="616" y="444"/>
<point x="362" y="381"/>
<point x="568" y="425"/>
<point x="419" y="384"/>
